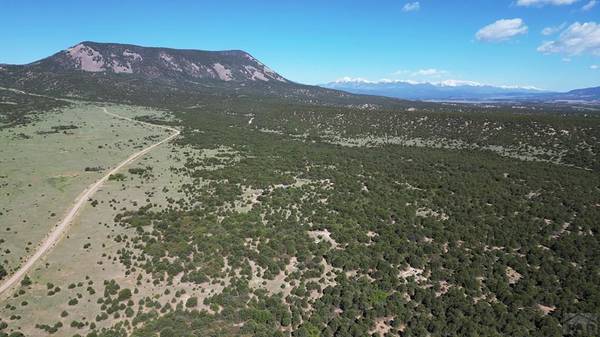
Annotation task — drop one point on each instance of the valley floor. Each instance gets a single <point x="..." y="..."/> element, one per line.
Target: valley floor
<point x="281" y="222"/>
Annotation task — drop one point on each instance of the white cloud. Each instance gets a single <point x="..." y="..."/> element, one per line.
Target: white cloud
<point x="348" y="79"/>
<point x="431" y="72"/>
<point x="427" y="72"/>
<point x="360" y="80"/>
<point x="579" y="38"/>
<point x="589" y="5"/>
<point x="501" y="30"/>
<point x="554" y="30"/>
<point x="444" y="83"/>
<point x="411" y="7"/>
<point x="400" y="72"/>
<point x="594" y="67"/>
<point x="529" y="3"/>
<point x="457" y="83"/>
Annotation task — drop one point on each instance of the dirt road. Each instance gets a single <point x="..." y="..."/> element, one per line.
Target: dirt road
<point x="57" y="232"/>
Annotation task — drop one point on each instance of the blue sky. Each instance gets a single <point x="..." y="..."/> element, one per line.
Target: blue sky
<point x="323" y="40"/>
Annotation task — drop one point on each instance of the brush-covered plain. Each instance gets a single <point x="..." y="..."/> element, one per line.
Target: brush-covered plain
<point x="271" y="218"/>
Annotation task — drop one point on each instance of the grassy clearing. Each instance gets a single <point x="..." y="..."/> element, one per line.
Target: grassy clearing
<point x="46" y="164"/>
<point x="89" y="254"/>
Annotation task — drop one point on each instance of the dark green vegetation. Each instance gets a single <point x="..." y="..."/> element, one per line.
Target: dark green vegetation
<point x="16" y="108"/>
<point x="425" y="240"/>
<point x="117" y="177"/>
<point x="446" y="241"/>
<point x="380" y="217"/>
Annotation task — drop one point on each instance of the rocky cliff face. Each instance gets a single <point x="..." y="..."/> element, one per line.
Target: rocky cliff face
<point x="157" y="63"/>
<point x="163" y="77"/>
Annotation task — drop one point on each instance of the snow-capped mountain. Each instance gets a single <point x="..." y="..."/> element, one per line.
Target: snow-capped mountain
<point x="443" y="90"/>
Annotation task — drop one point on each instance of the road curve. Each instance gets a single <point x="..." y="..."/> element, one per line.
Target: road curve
<point x="56" y="234"/>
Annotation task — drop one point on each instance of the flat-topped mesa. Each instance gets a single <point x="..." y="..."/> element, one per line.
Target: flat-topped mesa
<point x="163" y="77"/>
<point x="157" y="63"/>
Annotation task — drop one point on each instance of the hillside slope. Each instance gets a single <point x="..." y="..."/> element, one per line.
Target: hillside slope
<point x="159" y="63"/>
<point x="162" y="76"/>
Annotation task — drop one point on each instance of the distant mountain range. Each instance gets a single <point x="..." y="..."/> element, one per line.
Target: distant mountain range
<point x="170" y="77"/>
<point x="586" y="94"/>
<point x="458" y="91"/>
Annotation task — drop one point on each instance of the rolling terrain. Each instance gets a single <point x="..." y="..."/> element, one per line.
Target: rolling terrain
<point x="282" y="209"/>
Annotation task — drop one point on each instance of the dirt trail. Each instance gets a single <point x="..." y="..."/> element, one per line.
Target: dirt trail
<point x="57" y="232"/>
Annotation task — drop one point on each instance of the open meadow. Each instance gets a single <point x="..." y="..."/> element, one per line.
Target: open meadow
<point x="45" y="164"/>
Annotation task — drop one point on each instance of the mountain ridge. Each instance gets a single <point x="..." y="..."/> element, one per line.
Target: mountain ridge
<point x="165" y="77"/>
<point x="157" y="62"/>
<point x="444" y="83"/>
<point x="133" y="73"/>
<point x="458" y="90"/>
